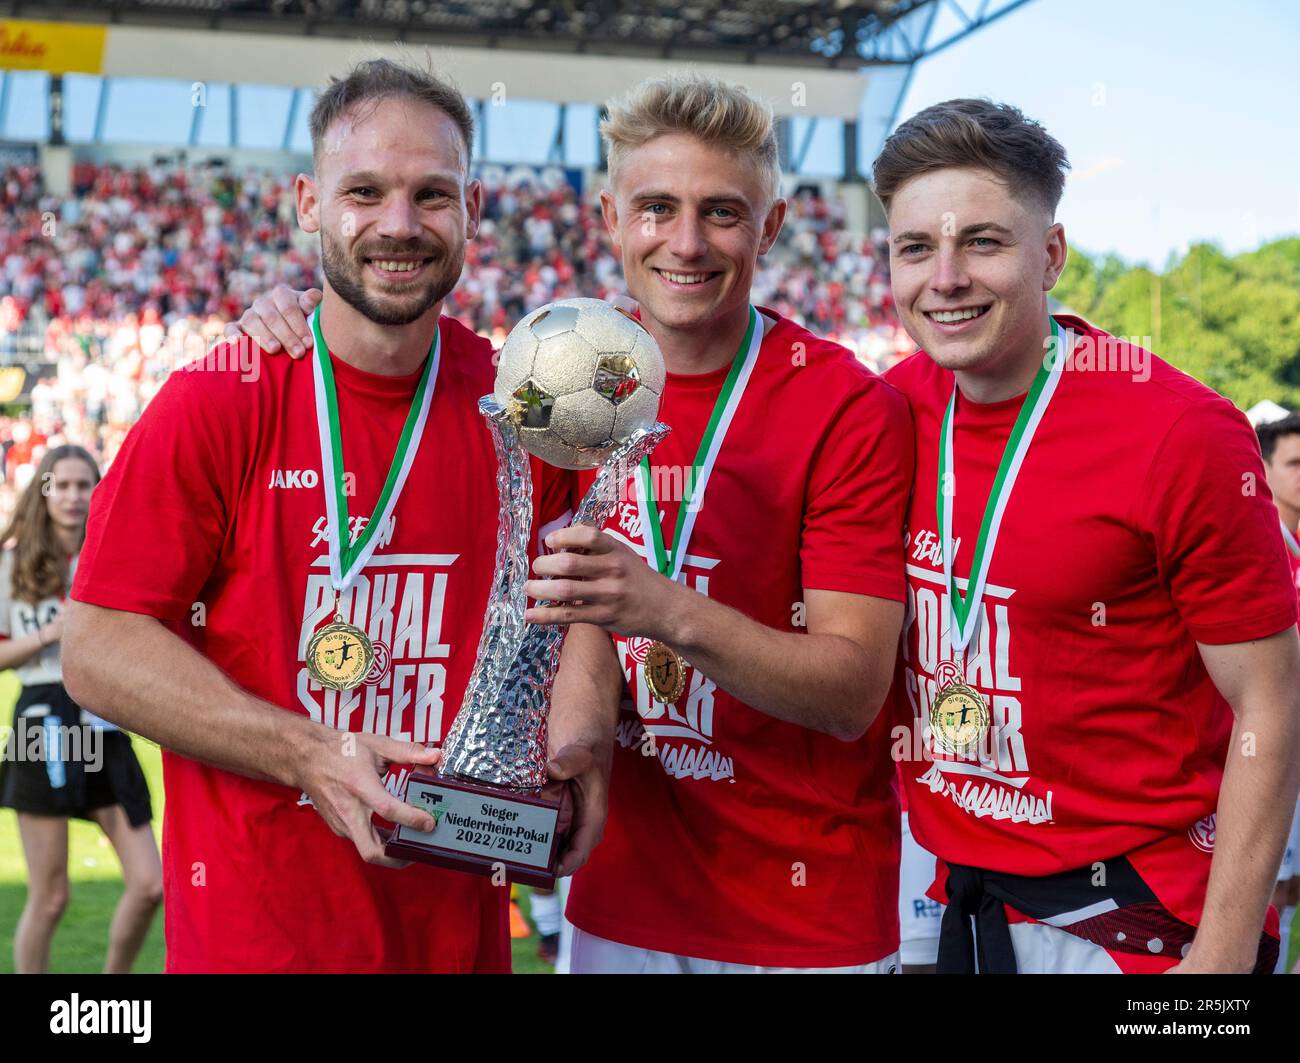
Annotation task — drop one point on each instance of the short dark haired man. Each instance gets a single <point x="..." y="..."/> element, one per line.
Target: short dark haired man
<point x="1279" y="445"/>
<point x="1081" y="629"/>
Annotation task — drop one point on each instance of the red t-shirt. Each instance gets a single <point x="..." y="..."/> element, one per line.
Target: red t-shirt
<point x="743" y="838"/>
<point x="216" y="499"/>
<point x="1121" y="547"/>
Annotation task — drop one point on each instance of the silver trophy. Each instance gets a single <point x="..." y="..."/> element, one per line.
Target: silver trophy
<point x="578" y="385"/>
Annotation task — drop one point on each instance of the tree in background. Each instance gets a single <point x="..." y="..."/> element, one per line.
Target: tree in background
<point x="1232" y="322"/>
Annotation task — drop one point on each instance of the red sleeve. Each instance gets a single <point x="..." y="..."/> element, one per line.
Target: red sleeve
<point x="553" y="499"/>
<point x="856" y="502"/>
<point x="159" y="517"/>
<point x="1218" y="541"/>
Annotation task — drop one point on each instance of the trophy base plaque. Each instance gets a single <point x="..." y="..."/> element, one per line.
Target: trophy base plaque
<point x="484" y="830"/>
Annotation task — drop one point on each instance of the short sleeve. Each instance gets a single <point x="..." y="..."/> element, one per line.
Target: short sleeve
<point x="1218" y="539"/>
<point x="160" y="516"/>
<point x="553" y="492"/>
<point x="857" y="497"/>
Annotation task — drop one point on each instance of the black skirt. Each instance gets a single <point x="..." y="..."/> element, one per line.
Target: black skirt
<point x="54" y="765"/>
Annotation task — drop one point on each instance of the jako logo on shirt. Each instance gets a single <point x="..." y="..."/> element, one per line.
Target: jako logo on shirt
<point x="991" y="780"/>
<point x="288" y="478"/>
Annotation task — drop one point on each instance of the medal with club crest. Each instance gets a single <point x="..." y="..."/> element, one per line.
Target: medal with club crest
<point x="959" y="716"/>
<point x="340" y="655"/>
<point x="664" y="669"/>
<point x="665" y="673"/>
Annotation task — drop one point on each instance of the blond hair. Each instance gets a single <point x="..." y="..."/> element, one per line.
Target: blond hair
<point x="716" y="112"/>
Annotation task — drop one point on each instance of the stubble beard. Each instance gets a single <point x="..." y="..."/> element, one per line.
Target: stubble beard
<point x="343" y="271"/>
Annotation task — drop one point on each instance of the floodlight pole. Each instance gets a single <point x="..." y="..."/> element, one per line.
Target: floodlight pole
<point x="56" y="111"/>
<point x="557" y="144"/>
<point x="851" y="175"/>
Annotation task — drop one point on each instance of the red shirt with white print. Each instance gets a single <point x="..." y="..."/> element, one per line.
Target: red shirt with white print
<point x="1122" y="545"/>
<point x="212" y="519"/>
<point x="732" y="835"/>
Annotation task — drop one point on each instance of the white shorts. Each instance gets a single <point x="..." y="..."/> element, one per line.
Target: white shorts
<point x="596" y="955"/>
<point x="918" y="916"/>
<point x="1044" y="949"/>
<point x="566" y="928"/>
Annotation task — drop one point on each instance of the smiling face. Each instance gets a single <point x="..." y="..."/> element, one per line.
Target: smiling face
<point x="689" y="220"/>
<point x="393" y="207"/>
<point x="970" y="264"/>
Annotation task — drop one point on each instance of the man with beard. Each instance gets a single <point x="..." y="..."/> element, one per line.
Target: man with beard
<point x="285" y="571"/>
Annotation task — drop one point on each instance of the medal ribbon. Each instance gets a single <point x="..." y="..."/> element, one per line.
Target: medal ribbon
<point x="1291" y="544"/>
<point x="348" y="558"/>
<point x="965" y="612"/>
<point x="724" y="409"/>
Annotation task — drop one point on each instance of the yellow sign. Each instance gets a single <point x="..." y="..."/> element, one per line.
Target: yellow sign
<point x="56" y="47"/>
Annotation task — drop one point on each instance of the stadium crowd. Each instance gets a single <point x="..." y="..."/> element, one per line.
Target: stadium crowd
<point x="137" y="271"/>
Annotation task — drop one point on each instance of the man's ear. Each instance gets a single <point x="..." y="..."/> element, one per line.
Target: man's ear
<point x="609" y="211"/>
<point x="772" y="226"/>
<point x="473" y="208"/>
<point x="1057" y="253"/>
<point x="308" y="200"/>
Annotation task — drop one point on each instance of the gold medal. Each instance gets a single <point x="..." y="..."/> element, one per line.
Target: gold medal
<point x="340" y="655"/>
<point x="665" y="673"/>
<point x="959" y="718"/>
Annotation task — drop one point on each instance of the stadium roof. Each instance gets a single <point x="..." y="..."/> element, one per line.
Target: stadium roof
<point x="240" y="73"/>
<point x="835" y="33"/>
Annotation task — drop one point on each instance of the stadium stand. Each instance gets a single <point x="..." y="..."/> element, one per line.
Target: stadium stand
<point x="137" y="270"/>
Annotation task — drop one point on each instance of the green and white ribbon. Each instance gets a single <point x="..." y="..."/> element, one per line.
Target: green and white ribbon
<point x="965" y="612"/>
<point x="669" y="563"/>
<point x="348" y="558"/>
<point x="1289" y="536"/>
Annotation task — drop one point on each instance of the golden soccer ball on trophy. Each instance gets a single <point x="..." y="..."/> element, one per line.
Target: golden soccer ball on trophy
<point x="579" y="377"/>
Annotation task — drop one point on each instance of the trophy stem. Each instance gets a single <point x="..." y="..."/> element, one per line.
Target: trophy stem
<point x="499" y="734"/>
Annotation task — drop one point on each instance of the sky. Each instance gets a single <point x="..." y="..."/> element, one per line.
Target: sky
<point x="1181" y="117"/>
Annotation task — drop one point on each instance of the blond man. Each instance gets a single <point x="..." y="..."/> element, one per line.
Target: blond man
<point x="752" y="584"/>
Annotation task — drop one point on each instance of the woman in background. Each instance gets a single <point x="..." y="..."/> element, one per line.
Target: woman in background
<point x="85" y="767"/>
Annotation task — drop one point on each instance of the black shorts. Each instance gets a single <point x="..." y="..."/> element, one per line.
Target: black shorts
<point x="54" y="765"/>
